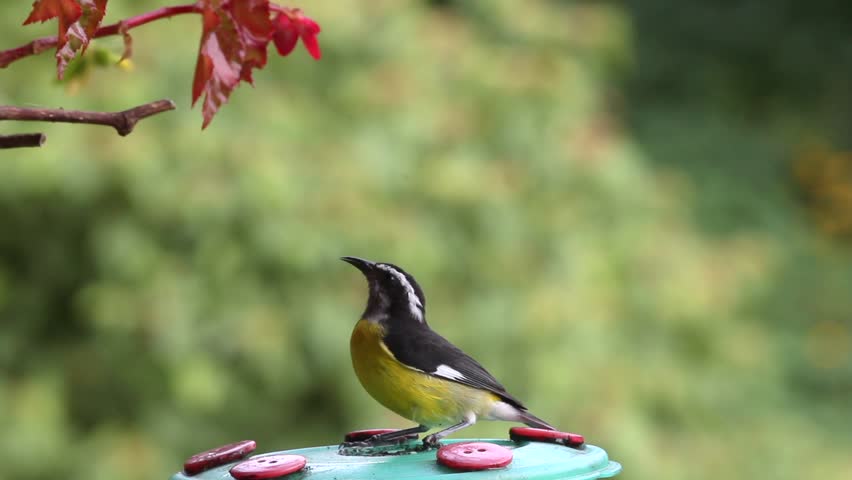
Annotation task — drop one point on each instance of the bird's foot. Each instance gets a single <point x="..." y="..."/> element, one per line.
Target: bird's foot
<point x="431" y="441"/>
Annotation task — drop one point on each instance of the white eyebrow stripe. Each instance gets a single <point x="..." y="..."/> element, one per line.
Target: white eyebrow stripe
<point x="413" y="302"/>
<point x="448" y="372"/>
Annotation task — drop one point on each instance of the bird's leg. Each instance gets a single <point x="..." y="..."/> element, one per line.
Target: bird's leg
<point x="432" y="440"/>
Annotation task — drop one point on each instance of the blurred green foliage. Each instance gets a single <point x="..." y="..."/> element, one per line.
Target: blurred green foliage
<point x="619" y="208"/>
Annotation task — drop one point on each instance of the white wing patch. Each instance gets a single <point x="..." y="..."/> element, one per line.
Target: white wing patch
<point x="504" y="411"/>
<point x="448" y="372"/>
<point x="413" y="302"/>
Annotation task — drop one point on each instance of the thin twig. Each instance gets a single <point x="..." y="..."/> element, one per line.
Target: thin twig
<point x="122" y="121"/>
<point x="41" y="44"/>
<point x="22" y="140"/>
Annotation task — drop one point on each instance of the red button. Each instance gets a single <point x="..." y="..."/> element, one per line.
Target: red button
<point x="204" y="461"/>
<point x="474" y="456"/>
<point x="361" y="435"/>
<point x="270" y="466"/>
<point x="542" y="435"/>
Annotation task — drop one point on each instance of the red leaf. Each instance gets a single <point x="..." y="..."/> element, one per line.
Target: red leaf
<point x="78" y="21"/>
<point x="286" y="34"/>
<point x="233" y="43"/>
<point x="289" y="26"/>
<point x="93" y="13"/>
<point x="66" y="10"/>
<point x="310" y="30"/>
<point x="251" y="19"/>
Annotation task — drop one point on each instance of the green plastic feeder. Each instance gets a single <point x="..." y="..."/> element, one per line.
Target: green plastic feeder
<point x="519" y="458"/>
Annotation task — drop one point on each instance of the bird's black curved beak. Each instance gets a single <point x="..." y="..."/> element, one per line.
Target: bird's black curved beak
<point x="365" y="266"/>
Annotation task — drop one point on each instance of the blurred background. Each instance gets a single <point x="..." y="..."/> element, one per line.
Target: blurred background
<point x="637" y="215"/>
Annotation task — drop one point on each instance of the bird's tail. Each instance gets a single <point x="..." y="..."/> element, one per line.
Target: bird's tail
<point x="533" y="421"/>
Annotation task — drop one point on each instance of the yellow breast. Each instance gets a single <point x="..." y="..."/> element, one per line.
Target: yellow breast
<point x="412" y="394"/>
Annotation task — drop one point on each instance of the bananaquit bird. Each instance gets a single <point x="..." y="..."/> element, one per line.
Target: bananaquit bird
<point x="415" y="372"/>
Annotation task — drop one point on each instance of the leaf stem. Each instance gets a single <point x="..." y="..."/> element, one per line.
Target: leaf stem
<point x="41" y="44"/>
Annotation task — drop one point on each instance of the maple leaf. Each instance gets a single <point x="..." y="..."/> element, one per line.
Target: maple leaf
<point x="78" y="21"/>
<point x="233" y="43"/>
<point x="289" y="26"/>
<point x="234" y="40"/>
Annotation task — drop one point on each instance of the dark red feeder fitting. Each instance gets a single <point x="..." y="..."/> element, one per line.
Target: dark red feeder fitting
<point x="201" y="462"/>
<point x="550" y="436"/>
<point x="269" y="466"/>
<point x="361" y="435"/>
<point x="470" y="456"/>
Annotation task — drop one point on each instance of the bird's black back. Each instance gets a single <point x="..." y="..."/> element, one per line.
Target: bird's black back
<point x="420" y="347"/>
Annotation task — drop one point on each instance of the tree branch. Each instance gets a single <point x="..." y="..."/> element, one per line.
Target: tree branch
<point x="45" y="43"/>
<point x="123" y="121"/>
<point x="22" y="140"/>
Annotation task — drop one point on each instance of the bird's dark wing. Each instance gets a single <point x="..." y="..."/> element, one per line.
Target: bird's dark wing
<point x="431" y="353"/>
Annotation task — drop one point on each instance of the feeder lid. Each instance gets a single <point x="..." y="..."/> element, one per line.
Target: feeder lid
<point x="530" y="459"/>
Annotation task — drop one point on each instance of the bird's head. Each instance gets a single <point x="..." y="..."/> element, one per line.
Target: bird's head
<point x="394" y="294"/>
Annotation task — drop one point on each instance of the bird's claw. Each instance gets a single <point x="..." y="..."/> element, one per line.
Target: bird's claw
<point x="430" y="441"/>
